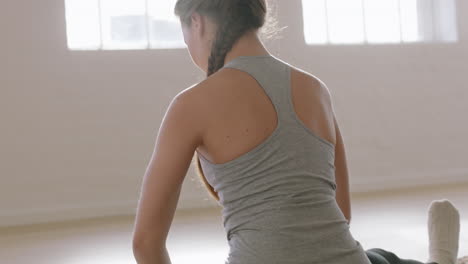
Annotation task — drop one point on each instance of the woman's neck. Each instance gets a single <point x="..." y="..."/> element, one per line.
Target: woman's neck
<point x="248" y="45"/>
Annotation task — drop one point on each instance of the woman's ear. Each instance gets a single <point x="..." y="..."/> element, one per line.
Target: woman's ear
<point x="198" y="24"/>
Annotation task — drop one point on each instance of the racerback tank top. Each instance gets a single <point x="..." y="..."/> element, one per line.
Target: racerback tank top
<point x="278" y="199"/>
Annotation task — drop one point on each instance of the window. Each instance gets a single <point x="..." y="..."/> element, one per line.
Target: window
<point x="379" y="21"/>
<point x="122" y="24"/>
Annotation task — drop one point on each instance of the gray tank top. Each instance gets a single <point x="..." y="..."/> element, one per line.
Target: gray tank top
<point x="278" y="199"/>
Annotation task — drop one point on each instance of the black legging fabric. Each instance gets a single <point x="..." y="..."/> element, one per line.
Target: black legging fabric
<point x="381" y="256"/>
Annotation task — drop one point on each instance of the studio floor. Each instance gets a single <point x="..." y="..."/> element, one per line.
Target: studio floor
<point x="394" y="220"/>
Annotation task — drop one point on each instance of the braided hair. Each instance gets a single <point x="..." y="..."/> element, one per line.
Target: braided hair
<point x="233" y="18"/>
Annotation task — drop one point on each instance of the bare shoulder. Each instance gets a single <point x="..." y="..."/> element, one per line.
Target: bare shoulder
<point x="210" y="89"/>
<point x="200" y="99"/>
<point x="311" y="86"/>
<point x="311" y="81"/>
<point x="313" y="103"/>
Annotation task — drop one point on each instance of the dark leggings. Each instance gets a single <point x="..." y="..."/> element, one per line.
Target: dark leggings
<point x="380" y="256"/>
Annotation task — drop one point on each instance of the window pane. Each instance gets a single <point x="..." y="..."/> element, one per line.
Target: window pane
<point x="379" y="21"/>
<point x="124" y="24"/>
<point x="425" y="19"/>
<point x="409" y="20"/>
<point x="445" y="20"/>
<point x="345" y="21"/>
<point x="315" y="21"/>
<point x="164" y="26"/>
<point x="382" y="21"/>
<point x="82" y="18"/>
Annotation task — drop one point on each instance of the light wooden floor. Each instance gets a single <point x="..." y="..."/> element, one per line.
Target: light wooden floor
<point x="394" y="220"/>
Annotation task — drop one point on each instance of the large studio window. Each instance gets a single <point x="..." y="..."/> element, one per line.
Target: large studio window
<point x="379" y="21"/>
<point x="122" y="24"/>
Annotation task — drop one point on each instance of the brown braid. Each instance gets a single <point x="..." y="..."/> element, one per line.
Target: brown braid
<point x="233" y="19"/>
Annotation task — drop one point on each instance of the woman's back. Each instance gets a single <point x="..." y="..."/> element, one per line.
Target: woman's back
<point x="269" y="155"/>
<point x="239" y="114"/>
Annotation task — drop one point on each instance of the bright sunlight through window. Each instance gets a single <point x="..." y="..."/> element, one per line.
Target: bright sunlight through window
<point x="379" y="21"/>
<point x="122" y="24"/>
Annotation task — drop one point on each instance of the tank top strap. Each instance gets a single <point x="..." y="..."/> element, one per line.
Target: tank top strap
<point x="274" y="76"/>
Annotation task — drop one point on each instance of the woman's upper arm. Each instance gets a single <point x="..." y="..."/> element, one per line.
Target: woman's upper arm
<point x="341" y="169"/>
<point x="178" y="137"/>
<point x="341" y="174"/>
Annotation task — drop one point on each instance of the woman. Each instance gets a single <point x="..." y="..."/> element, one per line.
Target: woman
<point x="268" y="148"/>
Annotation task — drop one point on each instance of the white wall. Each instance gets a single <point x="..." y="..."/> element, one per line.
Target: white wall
<point x="78" y="127"/>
